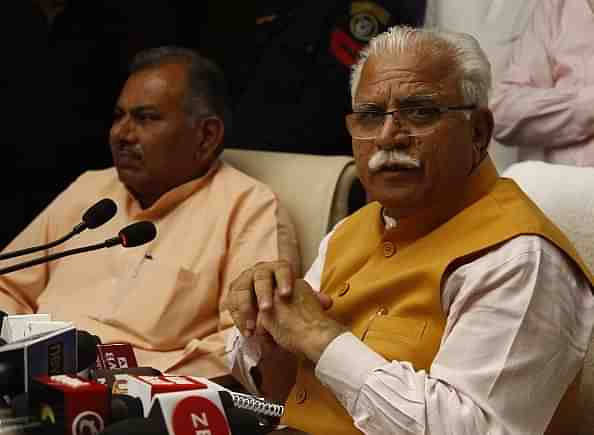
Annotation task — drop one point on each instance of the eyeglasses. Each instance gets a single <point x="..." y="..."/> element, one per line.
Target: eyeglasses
<point x="414" y="120"/>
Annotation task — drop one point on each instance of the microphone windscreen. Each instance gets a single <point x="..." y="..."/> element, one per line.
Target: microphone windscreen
<point x="124" y="407"/>
<point x="99" y="213"/>
<point x="86" y="349"/>
<point x="137" y="234"/>
<point x="11" y="378"/>
<point x="20" y="405"/>
<point x="133" y="426"/>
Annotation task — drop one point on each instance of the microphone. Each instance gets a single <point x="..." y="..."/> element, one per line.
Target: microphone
<point x="57" y="404"/>
<point x="186" y="404"/>
<point x="64" y="404"/>
<point x="20" y="326"/>
<point x="51" y="353"/>
<point x="115" y="360"/>
<point x="97" y="215"/>
<point x="94" y="217"/>
<point x="214" y="411"/>
<point x="133" y="235"/>
<point x="86" y="350"/>
<point x="115" y="356"/>
<point x="136" y="426"/>
<point x="146" y="388"/>
<point x="62" y="351"/>
<point x="113" y="378"/>
<point x="124" y="407"/>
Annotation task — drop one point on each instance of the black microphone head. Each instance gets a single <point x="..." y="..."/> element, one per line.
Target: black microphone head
<point x="124" y="407"/>
<point x="11" y="377"/>
<point x="133" y="426"/>
<point x="20" y="405"/>
<point x="137" y="234"/>
<point x="86" y="349"/>
<point x="99" y="213"/>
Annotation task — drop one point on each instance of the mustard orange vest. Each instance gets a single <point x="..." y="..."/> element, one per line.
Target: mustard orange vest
<point x="386" y="285"/>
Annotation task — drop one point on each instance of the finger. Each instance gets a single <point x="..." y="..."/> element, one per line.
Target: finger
<point x="264" y="284"/>
<point x="325" y="300"/>
<point x="241" y="303"/>
<point x="260" y="321"/>
<point x="283" y="274"/>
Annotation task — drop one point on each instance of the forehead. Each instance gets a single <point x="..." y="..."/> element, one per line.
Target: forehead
<point x="390" y="78"/>
<point x="160" y="86"/>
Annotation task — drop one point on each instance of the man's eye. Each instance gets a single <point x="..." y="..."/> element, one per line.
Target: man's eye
<point x="369" y="117"/>
<point x="421" y="114"/>
<point x="147" y="117"/>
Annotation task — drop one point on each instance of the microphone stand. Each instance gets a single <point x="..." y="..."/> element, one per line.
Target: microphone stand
<point x="106" y="244"/>
<point x="77" y="229"/>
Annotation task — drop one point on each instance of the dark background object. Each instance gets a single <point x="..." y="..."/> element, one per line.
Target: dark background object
<point x="60" y="79"/>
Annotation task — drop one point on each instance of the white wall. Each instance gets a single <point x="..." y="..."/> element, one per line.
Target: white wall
<point x="496" y="24"/>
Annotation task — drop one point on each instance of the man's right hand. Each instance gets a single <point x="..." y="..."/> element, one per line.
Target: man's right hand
<point x="253" y="291"/>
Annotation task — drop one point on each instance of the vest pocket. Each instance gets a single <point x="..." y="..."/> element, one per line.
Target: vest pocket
<point x="396" y="338"/>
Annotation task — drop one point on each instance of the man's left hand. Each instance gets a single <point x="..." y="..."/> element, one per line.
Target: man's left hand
<point x="299" y="323"/>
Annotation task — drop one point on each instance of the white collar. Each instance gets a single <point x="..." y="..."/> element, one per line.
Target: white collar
<point x="389" y="221"/>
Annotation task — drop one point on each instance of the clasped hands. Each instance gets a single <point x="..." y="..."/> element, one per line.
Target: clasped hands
<point x="266" y="299"/>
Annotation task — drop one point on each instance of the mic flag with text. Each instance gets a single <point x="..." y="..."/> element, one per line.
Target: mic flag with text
<point x="48" y="354"/>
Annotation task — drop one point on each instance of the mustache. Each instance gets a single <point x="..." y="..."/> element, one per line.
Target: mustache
<point x="135" y="150"/>
<point x="392" y="158"/>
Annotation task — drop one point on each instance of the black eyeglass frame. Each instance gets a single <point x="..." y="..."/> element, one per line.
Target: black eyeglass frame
<point x="441" y="110"/>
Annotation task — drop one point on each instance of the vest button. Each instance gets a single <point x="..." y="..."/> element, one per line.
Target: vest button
<point x="389" y="249"/>
<point x="344" y="289"/>
<point x="301" y="396"/>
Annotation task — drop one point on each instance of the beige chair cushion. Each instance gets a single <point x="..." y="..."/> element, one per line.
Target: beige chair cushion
<point x="314" y="189"/>
<point x="566" y="195"/>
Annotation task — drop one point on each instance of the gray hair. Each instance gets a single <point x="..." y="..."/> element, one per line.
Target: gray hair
<point x="207" y="90"/>
<point x="470" y="60"/>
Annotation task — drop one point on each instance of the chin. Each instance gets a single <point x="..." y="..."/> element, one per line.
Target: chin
<point x="396" y="198"/>
<point x="403" y="207"/>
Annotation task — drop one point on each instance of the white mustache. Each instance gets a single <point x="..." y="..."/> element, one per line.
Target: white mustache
<point x="392" y="158"/>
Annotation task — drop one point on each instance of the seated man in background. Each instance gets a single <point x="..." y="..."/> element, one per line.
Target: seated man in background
<point x="543" y="102"/>
<point x="212" y="222"/>
<point x="451" y="305"/>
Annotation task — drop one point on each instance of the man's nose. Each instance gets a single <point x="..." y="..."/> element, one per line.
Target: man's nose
<point x="393" y="135"/>
<point x="122" y="131"/>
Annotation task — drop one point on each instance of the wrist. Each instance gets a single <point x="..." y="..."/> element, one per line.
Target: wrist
<point x="319" y="337"/>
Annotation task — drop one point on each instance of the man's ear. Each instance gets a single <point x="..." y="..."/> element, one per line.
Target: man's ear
<point x="482" y="130"/>
<point x="210" y="131"/>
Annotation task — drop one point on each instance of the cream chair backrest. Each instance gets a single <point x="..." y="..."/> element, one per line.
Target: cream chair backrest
<point x="566" y="195"/>
<point x="314" y="189"/>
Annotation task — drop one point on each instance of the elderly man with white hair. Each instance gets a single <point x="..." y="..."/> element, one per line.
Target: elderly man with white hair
<point x="450" y="304"/>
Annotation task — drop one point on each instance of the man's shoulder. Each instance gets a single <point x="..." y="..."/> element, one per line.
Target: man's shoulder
<point x="238" y="182"/>
<point x="522" y="246"/>
<point x="95" y="179"/>
<point x="523" y="255"/>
